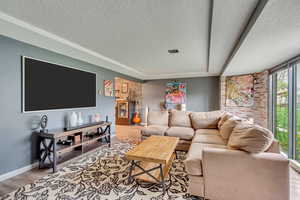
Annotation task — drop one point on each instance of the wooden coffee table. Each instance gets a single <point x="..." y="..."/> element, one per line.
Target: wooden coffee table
<point x="151" y="160"/>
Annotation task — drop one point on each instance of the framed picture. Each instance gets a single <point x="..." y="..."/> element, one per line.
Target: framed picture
<point x="124" y="87"/>
<point x="240" y="91"/>
<point x="175" y="94"/>
<point x="108" y="88"/>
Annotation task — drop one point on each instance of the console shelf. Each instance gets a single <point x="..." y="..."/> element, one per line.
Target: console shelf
<point x="48" y="147"/>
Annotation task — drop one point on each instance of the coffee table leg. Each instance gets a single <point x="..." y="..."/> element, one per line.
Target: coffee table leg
<point x="162" y="178"/>
<point x="130" y="171"/>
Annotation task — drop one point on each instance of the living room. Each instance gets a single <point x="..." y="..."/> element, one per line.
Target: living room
<point x="150" y="99"/>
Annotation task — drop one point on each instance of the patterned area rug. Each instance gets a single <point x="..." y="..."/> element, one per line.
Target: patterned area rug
<point x="103" y="175"/>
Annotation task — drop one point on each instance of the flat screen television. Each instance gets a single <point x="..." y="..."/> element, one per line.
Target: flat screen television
<point x="48" y="86"/>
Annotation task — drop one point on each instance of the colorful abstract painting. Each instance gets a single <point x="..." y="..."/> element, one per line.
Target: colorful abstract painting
<point x="239" y="91"/>
<point x="175" y="93"/>
<point x="108" y="88"/>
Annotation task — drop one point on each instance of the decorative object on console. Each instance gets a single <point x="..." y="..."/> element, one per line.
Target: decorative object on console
<point x="96" y="117"/>
<point x="73" y="119"/>
<point x="240" y="90"/>
<point x="175" y="94"/>
<point x="44" y="123"/>
<point x="108" y="88"/>
<point x="65" y="142"/>
<point x="76" y="139"/>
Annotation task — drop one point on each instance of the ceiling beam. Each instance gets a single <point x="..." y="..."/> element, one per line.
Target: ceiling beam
<point x="252" y="20"/>
<point x="210" y="21"/>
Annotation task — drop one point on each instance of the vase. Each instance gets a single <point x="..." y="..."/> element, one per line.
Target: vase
<point x="97" y="117"/>
<point x="79" y="119"/>
<point x="73" y="119"/>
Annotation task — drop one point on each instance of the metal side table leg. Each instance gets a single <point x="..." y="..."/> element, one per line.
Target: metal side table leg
<point x="130" y="172"/>
<point x="162" y="179"/>
<point x="54" y="157"/>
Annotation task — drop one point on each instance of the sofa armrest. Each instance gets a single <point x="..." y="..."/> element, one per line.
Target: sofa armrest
<point x="233" y="174"/>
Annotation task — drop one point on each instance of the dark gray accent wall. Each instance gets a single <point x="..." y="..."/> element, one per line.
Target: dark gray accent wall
<point x="17" y="146"/>
<point x="203" y="93"/>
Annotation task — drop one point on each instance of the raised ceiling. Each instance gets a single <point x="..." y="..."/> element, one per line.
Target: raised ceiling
<point x="274" y="38"/>
<point x="133" y="36"/>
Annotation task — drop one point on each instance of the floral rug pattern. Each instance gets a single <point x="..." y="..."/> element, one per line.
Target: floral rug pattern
<point x="103" y="175"/>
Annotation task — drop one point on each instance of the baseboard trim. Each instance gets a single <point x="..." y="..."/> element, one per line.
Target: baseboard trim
<point x="16" y="172"/>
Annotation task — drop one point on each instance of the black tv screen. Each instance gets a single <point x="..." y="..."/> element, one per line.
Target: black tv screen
<point x="48" y="86"/>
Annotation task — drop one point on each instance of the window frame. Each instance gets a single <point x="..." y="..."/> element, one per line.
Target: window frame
<point x="291" y="66"/>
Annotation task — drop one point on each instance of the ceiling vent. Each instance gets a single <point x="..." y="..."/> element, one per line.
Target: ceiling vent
<point x="172" y="51"/>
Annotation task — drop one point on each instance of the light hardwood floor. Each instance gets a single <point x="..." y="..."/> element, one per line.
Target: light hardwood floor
<point x="123" y="133"/>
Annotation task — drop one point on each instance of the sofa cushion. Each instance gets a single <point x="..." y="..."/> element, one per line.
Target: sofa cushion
<point x="154" y="130"/>
<point x="225" y="116"/>
<point x="228" y="126"/>
<point x="183" y="133"/>
<point x="251" y="138"/>
<point x="158" y="118"/>
<point x="205" y="119"/>
<point x="208" y="139"/>
<point x="180" y="118"/>
<point x="193" y="161"/>
<point x="207" y="131"/>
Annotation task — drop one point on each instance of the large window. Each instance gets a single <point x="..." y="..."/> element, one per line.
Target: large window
<point x="297" y="135"/>
<point x="285" y="108"/>
<point x="282" y="114"/>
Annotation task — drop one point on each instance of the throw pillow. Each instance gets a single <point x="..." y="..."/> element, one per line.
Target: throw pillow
<point x="228" y="126"/>
<point x="251" y="138"/>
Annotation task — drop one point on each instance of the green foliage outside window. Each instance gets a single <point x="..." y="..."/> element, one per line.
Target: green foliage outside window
<point x="282" y="129"/>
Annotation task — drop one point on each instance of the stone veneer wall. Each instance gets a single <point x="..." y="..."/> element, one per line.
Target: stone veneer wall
<point x="259" y="110"/>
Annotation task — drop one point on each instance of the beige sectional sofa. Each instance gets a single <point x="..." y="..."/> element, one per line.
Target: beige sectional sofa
<point x="228" y="157"/>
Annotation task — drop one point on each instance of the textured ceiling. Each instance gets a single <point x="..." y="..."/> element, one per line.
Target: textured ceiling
<point x="137" y="33"/>
<point x="133" y="36"/>
<point x="274" y="38"/>
<point x="228" y="22"/>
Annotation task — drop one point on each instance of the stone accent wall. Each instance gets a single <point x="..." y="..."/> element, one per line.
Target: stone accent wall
<point x="259" y="111"/>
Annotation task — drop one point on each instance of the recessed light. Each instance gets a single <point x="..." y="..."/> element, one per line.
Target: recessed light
<point x="173" y="51"/>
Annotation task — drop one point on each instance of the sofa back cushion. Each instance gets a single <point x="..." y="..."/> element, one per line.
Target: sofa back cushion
<point x="180" y="118"/>
<point x="251" y="138"/>
<point x="205" y="119"/>
<point x="228" y="126"/>
<point x="158" y="118"/>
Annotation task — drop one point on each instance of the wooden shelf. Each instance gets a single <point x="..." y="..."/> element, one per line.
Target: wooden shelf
<point x="48" y="147"/>
<point x="87" y="141"/>
<point x="66" y="148"/>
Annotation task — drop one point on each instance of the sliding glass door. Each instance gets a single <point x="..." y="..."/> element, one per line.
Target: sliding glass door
<point x="281" y="109"/>
<point x="285" y="108"/>
<point x="297" y="134"/>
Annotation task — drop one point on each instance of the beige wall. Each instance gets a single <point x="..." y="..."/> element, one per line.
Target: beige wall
<point x="259" y="110"/>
